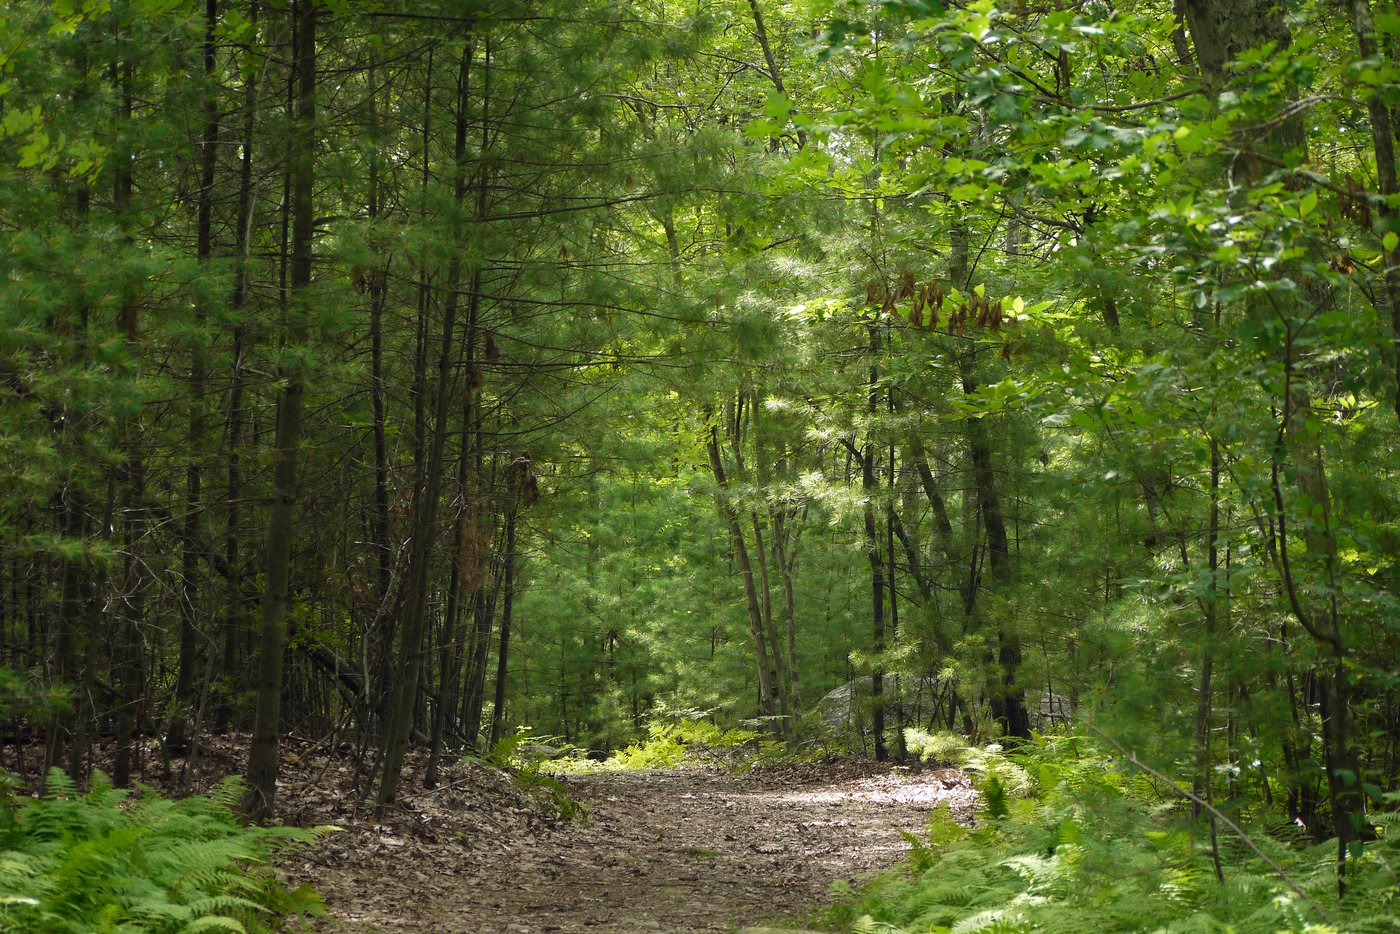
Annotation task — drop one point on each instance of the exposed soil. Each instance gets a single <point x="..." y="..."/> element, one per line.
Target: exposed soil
<point x="680" y="850"/>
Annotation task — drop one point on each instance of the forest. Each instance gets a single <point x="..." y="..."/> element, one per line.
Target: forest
<point x="554" y="390"/>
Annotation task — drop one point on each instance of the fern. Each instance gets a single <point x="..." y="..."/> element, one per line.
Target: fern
<point x="1082" y="847"/>
<point x="112" y="861"/>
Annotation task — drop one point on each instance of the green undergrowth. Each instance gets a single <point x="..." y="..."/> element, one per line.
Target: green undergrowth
<point x="528" y="759"/>
<point x="1067" y="840"/>
<point x="672" y="741"/>
<point x="110" y="861"/>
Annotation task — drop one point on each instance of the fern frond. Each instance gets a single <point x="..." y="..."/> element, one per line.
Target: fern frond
<point x="215" y="923"/>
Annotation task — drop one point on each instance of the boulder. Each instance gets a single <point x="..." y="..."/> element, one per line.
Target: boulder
<point x="539" y="751"/>
<point x="848" y="710"/>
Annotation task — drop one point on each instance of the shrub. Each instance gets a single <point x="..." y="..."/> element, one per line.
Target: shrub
<point x="110" y="861"/>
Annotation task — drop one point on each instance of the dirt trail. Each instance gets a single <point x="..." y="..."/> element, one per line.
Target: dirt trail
<point x="675" y="851"/>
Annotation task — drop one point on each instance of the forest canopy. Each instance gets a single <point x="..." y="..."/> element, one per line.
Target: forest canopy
<point x="419" y="372"/>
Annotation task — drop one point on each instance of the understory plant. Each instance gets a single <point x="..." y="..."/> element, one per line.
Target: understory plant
<point x="528" y="758"/>
<point x="107" y="860"/>
<point x="684" y="738"/>
<point x="1088" y="845"/>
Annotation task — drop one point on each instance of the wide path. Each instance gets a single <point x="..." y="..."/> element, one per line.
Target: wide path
<point x="676" y="851"/>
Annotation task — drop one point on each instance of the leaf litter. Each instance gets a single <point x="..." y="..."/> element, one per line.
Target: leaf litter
<point x="692" y="849"/>
<point x="674" y="850"/>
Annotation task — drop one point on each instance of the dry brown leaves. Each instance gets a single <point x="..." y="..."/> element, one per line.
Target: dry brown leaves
<point x="681" y="850"/>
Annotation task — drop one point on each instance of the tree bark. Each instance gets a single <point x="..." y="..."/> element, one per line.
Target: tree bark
<point x="409" y="663"/>
<point x="260" y="801"/>
<point x="498" y="706"/>
<point x="176" y="742"/>
<point x="1007" y="698"/>
<point x="737" y="544"/>
<point x="1383" y="147"/>
<point x="877" y="565"/>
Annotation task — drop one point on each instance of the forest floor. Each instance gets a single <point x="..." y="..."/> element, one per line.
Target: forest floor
<point x="677" y="850"/>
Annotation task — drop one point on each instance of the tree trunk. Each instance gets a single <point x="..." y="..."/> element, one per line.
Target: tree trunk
<point x="1383" y="147"/>
<point x="260" y="800"/>
<point x="1201" y="784"/>
<point x="176" y="742"/>
<point x="1008" y="699"/>
<point x="741" y="555"/>
<point x="130" y="674"/>
<point x="235" y="619"/>
<point x="872" y="544"/>
<point x="503" y="651"/>
<point x="409" y="663"/>
<point x="783" y="559"/>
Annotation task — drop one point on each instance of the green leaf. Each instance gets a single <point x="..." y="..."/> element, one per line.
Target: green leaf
<point x="1308" y="204"/>
<point x="777" y="106"/>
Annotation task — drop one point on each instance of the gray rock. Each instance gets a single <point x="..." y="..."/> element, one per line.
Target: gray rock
<point x="848" y="710"/>
<point x="538" y="751"/>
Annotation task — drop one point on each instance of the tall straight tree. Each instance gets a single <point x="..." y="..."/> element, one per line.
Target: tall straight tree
<point x="409" y="661"/>
<point x="260" y="801"/>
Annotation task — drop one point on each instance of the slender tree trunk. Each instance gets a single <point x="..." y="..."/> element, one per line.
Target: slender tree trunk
<point x="784" y="562"/>
<point x="498" y="708"/>
<point x="891" y="520"/>
<point x="746" y="411"/>
<point x="260" y="801"/>
<point x="1297" y="443"/>
<point x="130" y="675"/>
<point x="479" y="649"/>
<point x="1201" y="784"/>
<point x="774" y="75"/>
<point x="190" y="559"/>
<point x="741" y="555"/>
<point x="378" y="296"/>
<point x="466" y="557"/>
<point x="1007" y="698"/>
<point x="73" y="522"/>
<point x="449" y="651"/>
<point x="409" y="663"/>
<point x="872" y="543"/>
<point x="1383" y="146"/>
<point x="778" y="674"/>
<point x="235" y="620"/>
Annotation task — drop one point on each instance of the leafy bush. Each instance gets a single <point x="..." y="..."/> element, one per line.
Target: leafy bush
<point x="1092" y="847"/>
<point x="941" y="748"/>
<point x="109" y="861"/>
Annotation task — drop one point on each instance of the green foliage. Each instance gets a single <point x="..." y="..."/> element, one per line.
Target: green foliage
<point x="696" y="742"/>
<point x="106" y="861"/>
<point x="529" y="758"/>
<point x="1099" y="849"/>
<point x="683" y="741"/>
<point x="28" y="697"/>
<point x="996" y="775"/>
<point x="942" y="748"/>
<point x="994" y="798"/>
